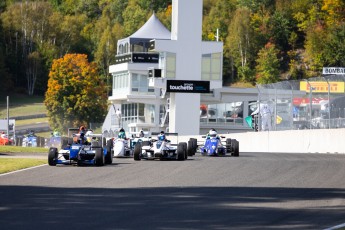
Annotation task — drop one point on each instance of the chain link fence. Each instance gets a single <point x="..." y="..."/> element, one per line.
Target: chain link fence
<point x="314" y="103"/>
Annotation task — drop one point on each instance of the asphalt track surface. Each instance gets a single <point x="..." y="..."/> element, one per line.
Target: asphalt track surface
<point x="253" y="191"/>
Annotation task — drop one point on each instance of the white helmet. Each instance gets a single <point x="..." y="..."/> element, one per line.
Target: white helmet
<point x="212" y="133"/>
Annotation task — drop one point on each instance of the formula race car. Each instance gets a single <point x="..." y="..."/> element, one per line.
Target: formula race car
<point x="54" y="141"/>
<point x="213" y="146"/>
<point x="161" y="148"/>
<point x="85" y="149"/>
<point x="4" y="140"/>
<point x="122" y="147"/>
<point x="30" y="140"/>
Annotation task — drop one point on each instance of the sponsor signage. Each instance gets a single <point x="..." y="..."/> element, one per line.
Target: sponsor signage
<point x="177" y="86"/>
<point x="322" y="87"/>
<point x="145" y="57"/>
<point x="333" y="70"/>
<point x="137" y="58"/>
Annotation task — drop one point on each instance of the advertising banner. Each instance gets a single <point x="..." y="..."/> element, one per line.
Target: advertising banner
<point x="322" y="87"/>
<point x="333" y="70"/>
<point x="178" y="86"/>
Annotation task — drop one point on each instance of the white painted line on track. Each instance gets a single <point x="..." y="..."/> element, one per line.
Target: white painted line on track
<point x="20" y="170"/>
<point x="336" y="227"/>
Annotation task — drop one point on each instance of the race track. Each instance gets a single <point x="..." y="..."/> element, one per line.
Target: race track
<point x="253" y="191"/>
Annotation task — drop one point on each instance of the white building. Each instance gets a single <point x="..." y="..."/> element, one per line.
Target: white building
<point x="179" y="56"/>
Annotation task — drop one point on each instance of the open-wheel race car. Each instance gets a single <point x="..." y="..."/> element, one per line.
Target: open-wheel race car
<point x="82" y="149"/>
<point x="5" y="140"/>
<point x="124" y="147"/>
<point x="217" y="146"/>
<point x="30" y="140"/>
<point x="161" y="148"/>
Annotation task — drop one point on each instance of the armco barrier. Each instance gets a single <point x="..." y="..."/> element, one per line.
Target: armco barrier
<point x="290" y="141"/>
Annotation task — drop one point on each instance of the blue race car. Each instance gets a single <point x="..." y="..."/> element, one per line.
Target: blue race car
<point x="54" y="141"/>
<point x="30" y="140"/>
<point x="213" y="146"/>
<point x="81" y="152"/>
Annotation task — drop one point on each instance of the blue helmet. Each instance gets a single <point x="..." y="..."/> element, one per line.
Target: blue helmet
<point x="161" y="137"/>
<point x="122" y="135"/>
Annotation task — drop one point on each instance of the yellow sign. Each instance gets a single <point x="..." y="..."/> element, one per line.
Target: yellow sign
<point x="322" y="86"/>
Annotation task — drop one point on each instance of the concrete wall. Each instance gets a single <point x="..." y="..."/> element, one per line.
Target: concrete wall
<point x="291" y="141"/>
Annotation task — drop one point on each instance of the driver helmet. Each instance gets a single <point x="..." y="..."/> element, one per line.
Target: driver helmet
<point x="82" y="129"/>
<point x="161" y="136"/>
<point x="121" y="135"/>
<point x="212" y="133"/>
<point x="141" y="134"/>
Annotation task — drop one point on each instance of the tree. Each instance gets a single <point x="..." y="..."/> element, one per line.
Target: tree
<point x="76" y="94"/>
<point x="267" y="68"/>
<point x="240" y="43"/>
<point x="134" y="17"/>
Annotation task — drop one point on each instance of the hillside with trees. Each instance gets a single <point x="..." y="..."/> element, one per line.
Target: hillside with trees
<point x="264" y="40"/>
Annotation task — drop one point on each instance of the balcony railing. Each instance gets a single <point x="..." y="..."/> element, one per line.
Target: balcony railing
<point x="137" y="58"/>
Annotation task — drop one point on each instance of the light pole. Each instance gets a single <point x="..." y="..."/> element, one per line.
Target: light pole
<point x="329" y="108"/>
<point x="310" y="102"/>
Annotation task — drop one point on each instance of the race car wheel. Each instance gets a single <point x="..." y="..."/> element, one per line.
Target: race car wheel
<point x="181" y="152"/>
<point x="108" y="157"/>
<point x="99" y="157"/>
<point x="190" y="148"/>
<point x="194" y="144"/>
<point x="52" y="155"/>
<point x="185" y="150"/>
<point x="137" y="152"/>
<point x="236" y="148"/>
<point x="228" y="145"/>
<point x="109" y="146"/>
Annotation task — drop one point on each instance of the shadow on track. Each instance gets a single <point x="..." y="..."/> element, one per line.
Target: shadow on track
<point x="27" y="207"/>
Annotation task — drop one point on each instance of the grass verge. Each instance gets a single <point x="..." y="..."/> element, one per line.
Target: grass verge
<point x="19" y="149"/>
<point x="13" y="164"/>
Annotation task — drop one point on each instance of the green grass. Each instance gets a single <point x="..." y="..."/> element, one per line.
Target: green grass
<point x="13" y="164"/>
<point x="19" y="149"/>
<point x="32" y="121"/>
<point x="21" y="105"/>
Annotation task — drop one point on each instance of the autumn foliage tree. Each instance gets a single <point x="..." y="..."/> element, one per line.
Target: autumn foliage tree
<point x="76" y="94"/>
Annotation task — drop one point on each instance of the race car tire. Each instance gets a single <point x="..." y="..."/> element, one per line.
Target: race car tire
<point x="228" y="145"/>
<point x="108" y="158"/>
<point x="190" y="148"/>
<point x="137" y="152"/>
<point x="99" y="157"/>
<point x="52" y="155"/>
<point x="233" y="143"/>
<point x="185" y="150"/>
<point x="109" y="145"/>
<point x="236" y="148"/>
<point x="145" y="143"/>
<point x="181" y="152"/>
<point x="194" y="144"/>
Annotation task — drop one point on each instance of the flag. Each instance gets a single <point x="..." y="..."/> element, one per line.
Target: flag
<point x="249" y="121"/>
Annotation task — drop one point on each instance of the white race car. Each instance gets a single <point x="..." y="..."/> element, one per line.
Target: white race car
<point x="161" y="148"/>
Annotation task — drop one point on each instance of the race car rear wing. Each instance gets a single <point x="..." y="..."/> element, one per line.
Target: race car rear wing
<point x="167" y="134"/>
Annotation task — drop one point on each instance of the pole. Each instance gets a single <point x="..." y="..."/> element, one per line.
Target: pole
<point x="8" y="116"/>
<point x="329" y="106"/>
<point x="310" y="103"/>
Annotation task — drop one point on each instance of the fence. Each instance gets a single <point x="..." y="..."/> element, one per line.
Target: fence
<point x="314" y="103"/>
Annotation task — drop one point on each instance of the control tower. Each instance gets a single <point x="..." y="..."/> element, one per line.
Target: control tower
<point x="189" y="66"/>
